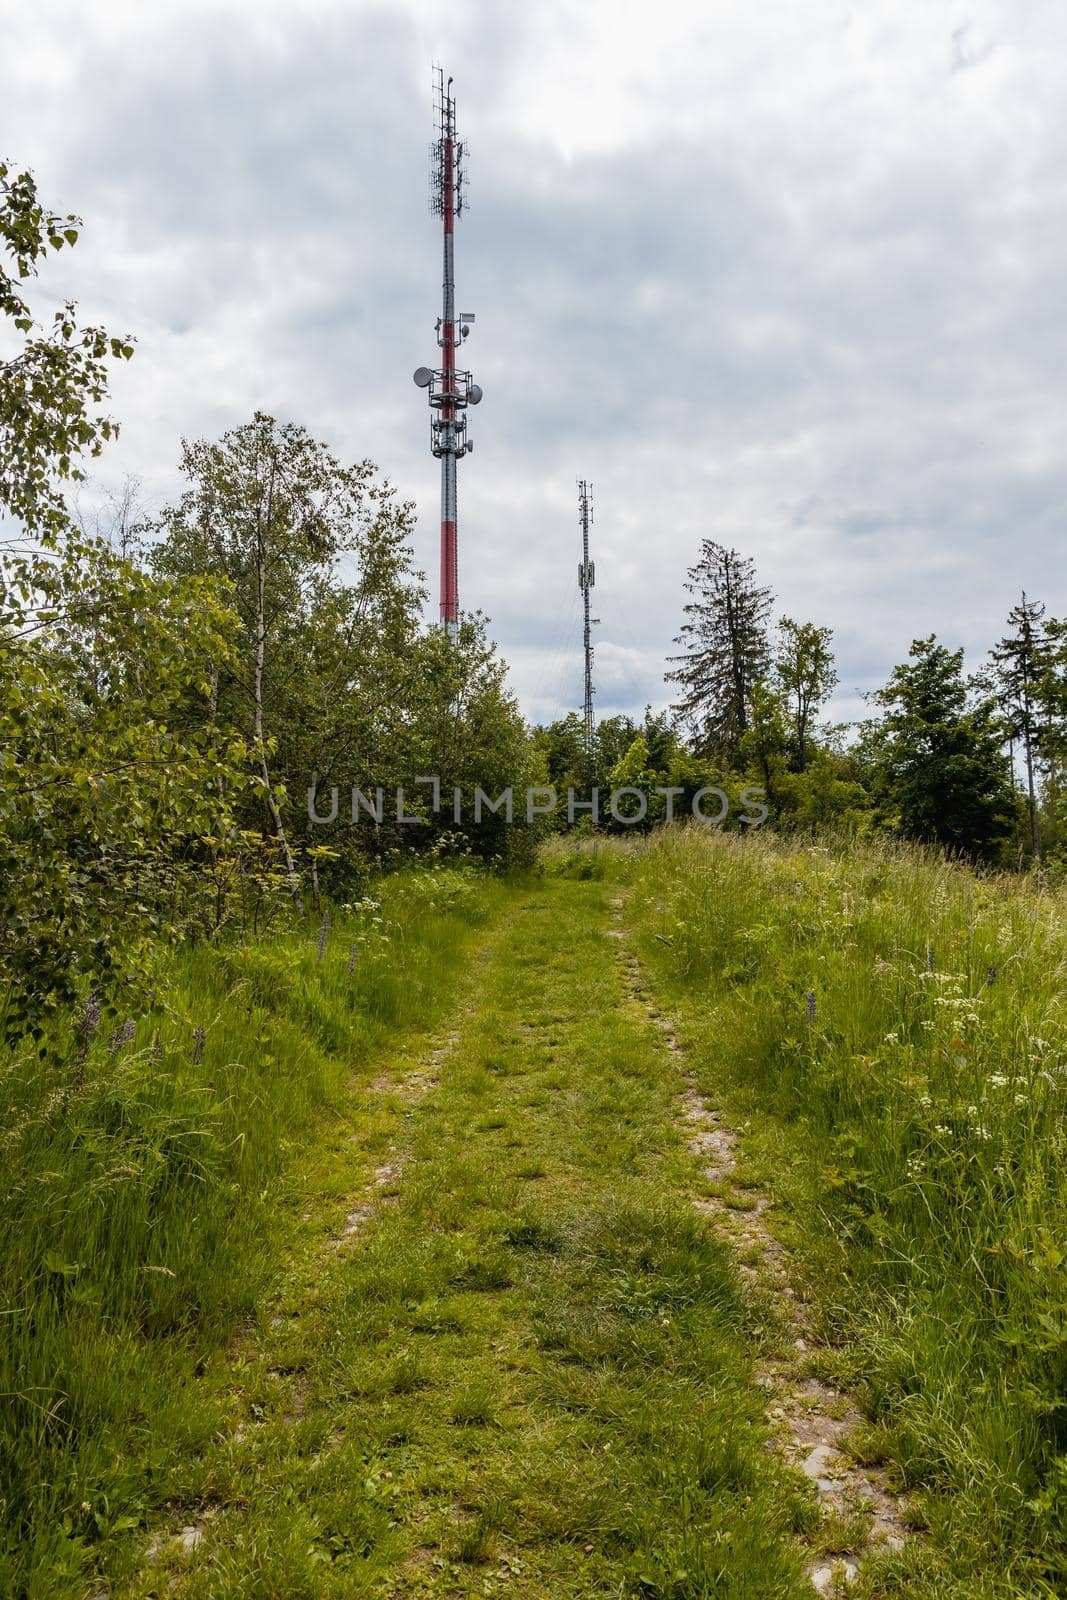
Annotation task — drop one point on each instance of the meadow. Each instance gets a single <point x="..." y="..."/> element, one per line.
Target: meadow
<point x="151" y="1168"/>
<point x="891" y="1031"/>
<point x="525" y="1363"/>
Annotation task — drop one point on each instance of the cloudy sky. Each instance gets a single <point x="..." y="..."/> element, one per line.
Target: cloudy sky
<point x="790" y="276"/>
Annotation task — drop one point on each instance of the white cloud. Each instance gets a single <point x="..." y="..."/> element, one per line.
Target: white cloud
<point x="785" y="276"/>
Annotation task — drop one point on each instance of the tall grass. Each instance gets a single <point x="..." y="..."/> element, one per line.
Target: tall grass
<point x="143" y="1175"/>
<point x="906" y="1022"/>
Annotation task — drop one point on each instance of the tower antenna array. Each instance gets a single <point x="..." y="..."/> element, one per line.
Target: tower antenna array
<point x="450" y="389"/>
<point x="586" y="580"/>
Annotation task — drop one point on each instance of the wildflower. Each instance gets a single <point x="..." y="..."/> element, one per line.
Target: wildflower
<point x="199" y="1035"/>
<point x="891" y="1038"/>
<point x="90" y="1018"/>
<point x="352" y="958"/>
<point x="991" y="973"/>
<point x="156" y="1052"/>
<point x="998" y="1080"/>
<point x="811" y="1005"/>
<point x="929" y="956"/>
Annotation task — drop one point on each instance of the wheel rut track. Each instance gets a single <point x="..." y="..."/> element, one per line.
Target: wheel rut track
<point x="813" y="1422"/>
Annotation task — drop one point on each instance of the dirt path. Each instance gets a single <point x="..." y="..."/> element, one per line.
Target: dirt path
<point x="516" y="1353"/>
<point x="813" y="1422"/>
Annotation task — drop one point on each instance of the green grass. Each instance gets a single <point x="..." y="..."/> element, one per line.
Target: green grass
<point x="147" y="1197"/>
<point x="917" y="1127"/>
<point x="529" y="1368"/>
<point x="530" y="1373"/>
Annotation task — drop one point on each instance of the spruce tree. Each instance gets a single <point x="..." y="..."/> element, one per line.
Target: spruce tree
<point x="937" y="755"/>
<point x="1018" y="662"/>
<point x="724" y="645"/>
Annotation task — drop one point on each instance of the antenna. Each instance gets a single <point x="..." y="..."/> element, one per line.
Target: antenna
<point x="586" y="580"/>
<point x="449" y="390"/>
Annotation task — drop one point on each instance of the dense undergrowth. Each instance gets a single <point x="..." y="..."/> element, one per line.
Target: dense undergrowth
<point x="904" y="1022"/>
<point x="144" y="1177"/>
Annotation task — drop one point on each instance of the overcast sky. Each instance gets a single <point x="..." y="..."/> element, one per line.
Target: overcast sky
<point x="790" y="276"/>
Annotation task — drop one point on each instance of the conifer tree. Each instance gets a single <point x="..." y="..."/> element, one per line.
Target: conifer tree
<point x="725" y="652"/>
<point x="1018" y="665"/>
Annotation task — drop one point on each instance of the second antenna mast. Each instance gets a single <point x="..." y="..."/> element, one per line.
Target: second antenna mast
<point x="586" y="580"/>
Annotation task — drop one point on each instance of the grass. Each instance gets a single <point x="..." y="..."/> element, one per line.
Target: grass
<point x="149" y="1189"/>
<point x="916" y="1123"/>
<point x="530" y="1372"/>
<point x="528" y="1368"/>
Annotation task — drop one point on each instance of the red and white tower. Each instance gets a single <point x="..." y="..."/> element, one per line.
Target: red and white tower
<point x="451" y="389"/>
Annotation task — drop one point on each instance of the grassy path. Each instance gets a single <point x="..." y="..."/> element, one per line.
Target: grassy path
<point x="524" y="1367"/>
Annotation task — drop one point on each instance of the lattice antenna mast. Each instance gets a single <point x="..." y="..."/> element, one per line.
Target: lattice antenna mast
<point x="451" y="389"/>
<point x="586" y="580"/>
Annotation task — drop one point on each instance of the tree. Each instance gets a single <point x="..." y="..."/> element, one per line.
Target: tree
<point x="467" y="731"/>
<point x="804" y="669"/>
<point x="111" y="779"/>
<point x="107" y="786"/>
<point x="765" y="741"/>
<point x="51" y="384"/>
<point x="937" y="756"/>
<point x="273" y="512"/>
<point x="1018" y="663"/>
<point x="724" y="648"/>
<point x="1050" y="698"/>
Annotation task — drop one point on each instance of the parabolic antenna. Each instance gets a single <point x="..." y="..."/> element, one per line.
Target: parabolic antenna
<point x="474" y="393"/>
<point x="423" y="377"/>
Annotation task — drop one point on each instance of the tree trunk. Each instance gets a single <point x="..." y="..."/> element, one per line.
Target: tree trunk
<point x="1035" y="831"/>
<point x="257" y="696"/>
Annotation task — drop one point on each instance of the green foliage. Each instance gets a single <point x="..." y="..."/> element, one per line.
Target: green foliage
<point x="725" y="651"/>
<point x="273" y="512"/>
<point x="917" y="1121"/>
<point x="49" y="387"/>
<point x="334" y="683"/>
<point x="106" y="783"/>
<point x="805" y="674"/>
<point x="937" y="756"/>
<point x="108" y="780"/>
<point x="144" y="1196"/>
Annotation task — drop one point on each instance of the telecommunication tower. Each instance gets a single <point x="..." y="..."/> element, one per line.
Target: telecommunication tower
<point x="586" y="580"/>
<point x="451" y="389"/>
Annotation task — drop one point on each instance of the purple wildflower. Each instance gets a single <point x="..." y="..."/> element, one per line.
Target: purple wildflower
<point x="199" y="1035"/>
<point x="90" y="1018"/>
<point x="811" y="1005"/>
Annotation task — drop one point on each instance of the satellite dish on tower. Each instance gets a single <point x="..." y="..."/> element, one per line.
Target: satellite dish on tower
<point x="423" y="377"/>
<point x="474" y="393"/>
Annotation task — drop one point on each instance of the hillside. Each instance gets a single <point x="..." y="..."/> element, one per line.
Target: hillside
<point x="671" y="1222"/>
